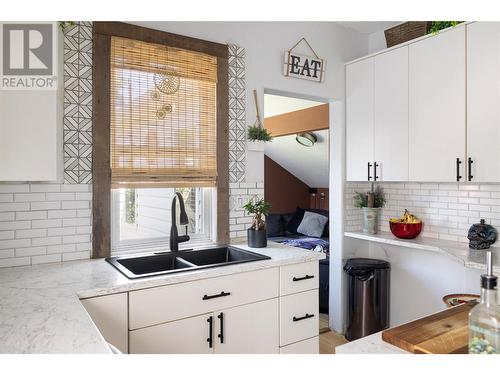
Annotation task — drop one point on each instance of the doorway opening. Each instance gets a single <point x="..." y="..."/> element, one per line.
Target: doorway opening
<point x="296" y="179"/>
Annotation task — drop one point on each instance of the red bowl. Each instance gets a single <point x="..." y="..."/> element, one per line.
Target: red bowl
<point x="405" y="231"/>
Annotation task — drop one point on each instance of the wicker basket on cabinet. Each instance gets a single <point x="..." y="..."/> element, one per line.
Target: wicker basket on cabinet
<point x="406" y="31"/>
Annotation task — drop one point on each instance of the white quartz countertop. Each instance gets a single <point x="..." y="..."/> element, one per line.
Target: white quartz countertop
<point x="456" y="251"/>
<point x="40" y="311"/>
<point x="372" y="344"/>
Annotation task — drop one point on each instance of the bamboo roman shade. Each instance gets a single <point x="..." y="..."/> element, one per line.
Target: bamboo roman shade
<point x="163" y="115"/>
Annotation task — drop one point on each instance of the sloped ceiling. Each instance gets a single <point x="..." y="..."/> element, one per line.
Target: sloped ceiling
<point x="277" y="105"/>
<point x="308" y="164"/>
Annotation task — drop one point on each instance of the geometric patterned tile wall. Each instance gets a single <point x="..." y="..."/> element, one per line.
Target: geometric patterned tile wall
<point x="237" y="118"/>
<point x="77" y="116"/>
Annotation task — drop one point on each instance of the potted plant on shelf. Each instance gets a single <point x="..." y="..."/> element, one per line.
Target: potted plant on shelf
<point x="257" y="135"/>
<point x="257" y="234"/>
<point x="371" y="203"/>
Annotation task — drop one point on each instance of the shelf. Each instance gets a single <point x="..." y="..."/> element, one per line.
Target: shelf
<point x="456" y="251"/>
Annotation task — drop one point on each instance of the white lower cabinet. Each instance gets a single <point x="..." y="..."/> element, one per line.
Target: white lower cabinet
<point x="243" y="313"/>
<point x="249" y="329"/>
<point x="309" y="346"/>
<point x="185" y="336"/>
<point x="110" y="315"/>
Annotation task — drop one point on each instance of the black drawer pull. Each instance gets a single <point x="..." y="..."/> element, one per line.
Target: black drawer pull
<point x="458" y="162"/>
<point x="369" y="166"/>
<point x="469" y="169"/>
<point x="210" y="321"/>
<point x="306" y="277"/>
<point x="375" y="165"/>
<point x="221" y="294"/>
<point x="221" y="334"/>
<point x="307" y="316"/>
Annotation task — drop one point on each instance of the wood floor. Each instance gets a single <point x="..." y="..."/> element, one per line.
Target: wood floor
<point x="328" y="340"/>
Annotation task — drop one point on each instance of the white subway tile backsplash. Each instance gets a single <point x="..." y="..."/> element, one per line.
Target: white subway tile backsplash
<point x="7" y="253"/>
<point x="7" y="244"/>
<point x="14" y="188"/>
<point x="6" y="198"/>
<point x="61" y="196"/>
<point x="50" y="258"/>
<point x="52" y="214"/>
<point x="44" y="241"/>
<point x="29" y="197"/>
<point x="36" y="206"/>
<point x="15" y="262"/>
<point x="31" y="215"/>
<point x="11" y="225"/>
<point x="30" y="251"/>
<point x="18" y="206"/>
<point x="75" y="204"/>
<point x="45" y="188"/>
<point x="447" y="209"/>
<point x="49" y="223"/>
<point x="31" y="233"/>
<point x="7" y="216"/>
<point x="7" y="235"/>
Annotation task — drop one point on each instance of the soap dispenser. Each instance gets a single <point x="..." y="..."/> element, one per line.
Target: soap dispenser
<point x="484" y="318"/>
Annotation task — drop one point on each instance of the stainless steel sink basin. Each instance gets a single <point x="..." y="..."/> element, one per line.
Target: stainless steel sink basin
<point x="162" y="263"/>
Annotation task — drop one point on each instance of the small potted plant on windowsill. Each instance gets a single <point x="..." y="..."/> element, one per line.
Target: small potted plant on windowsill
<point x="257" y="135"/>
<point x="257" y="234"/>
<point x="371" y="203"/>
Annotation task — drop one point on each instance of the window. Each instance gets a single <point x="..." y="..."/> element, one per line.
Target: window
<point x="160" y="104"/>
<point x="163" y="135"/>
<point x="141" y="217"/>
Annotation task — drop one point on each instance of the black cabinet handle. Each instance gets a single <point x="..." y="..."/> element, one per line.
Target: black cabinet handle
<point x="469" y="169"/>
<point x="210" y="321"/>
<point x="307" y="316"/>
<point x="221" y="294"/>
<point x="369" y="166"/>
<point x="306" y="277"/>
<point x="221" y="334"/>
<point x="375" y="165"/>
<point x="458" y="162"/>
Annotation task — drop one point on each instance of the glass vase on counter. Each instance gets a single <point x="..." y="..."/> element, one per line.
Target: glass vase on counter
<point x="484" y="318"/>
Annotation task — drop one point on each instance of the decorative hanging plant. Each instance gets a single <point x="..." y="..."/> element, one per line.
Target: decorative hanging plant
<point x="64" y="24"/>
<point x="257" y="132"/>
<point x="437" y="26"/>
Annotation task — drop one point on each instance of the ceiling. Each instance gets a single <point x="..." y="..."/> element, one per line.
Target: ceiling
<point x="368" y="27"/>
<point x="277" y="105"/>
<point x="308" y="164"/>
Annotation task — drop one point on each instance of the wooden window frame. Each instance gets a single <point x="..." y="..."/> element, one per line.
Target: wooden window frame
<point x="101" y="168"/>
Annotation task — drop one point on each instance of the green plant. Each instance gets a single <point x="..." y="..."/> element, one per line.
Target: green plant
<point x="64" y="24"/>
<point x="361" y="199"/>
<point x="259" y="208"/>
<point x="258" y="133"/>
<point x="436" y="26"/>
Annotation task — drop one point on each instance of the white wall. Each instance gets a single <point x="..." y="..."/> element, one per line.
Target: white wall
<point x="265" y="44"/>
<point x="376" y="42"/>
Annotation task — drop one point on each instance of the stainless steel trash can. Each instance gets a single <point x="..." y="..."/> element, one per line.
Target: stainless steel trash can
<point x="368" y="296"/>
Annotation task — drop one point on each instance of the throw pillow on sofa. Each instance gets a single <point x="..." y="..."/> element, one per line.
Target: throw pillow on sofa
<point x="312" y="224"/>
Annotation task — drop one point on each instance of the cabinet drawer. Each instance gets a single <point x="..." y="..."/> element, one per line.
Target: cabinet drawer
<point x="172" y="302"/>
<point x="300" y="277"/>
<point x="298" y="317"/>
<point x="309" y="346"/>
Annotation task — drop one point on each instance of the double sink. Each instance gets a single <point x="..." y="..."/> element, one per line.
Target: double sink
<point x="162" y="263"/>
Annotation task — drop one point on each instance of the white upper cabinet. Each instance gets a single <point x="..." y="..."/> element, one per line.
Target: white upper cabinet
<point x="437" y="107"/>
<point x="391" y="115"/>
<point x="483" y="101"/>
<point x="359" y="117"/>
